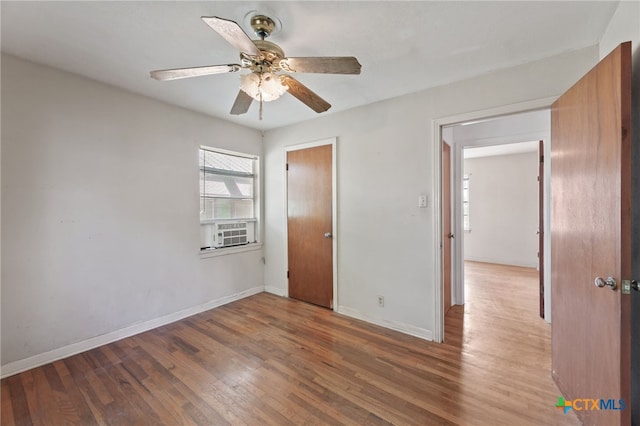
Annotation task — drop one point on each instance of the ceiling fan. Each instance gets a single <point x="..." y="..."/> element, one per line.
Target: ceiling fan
<point x="268" y="64"/>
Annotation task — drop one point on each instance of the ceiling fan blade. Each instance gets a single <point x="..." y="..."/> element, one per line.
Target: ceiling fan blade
<point x="242" y="103"/>
<point x="324" y="65"/>
<point x="233" y="33"/>
<point x="304" y="94"/>
<point x="177" y="73"/>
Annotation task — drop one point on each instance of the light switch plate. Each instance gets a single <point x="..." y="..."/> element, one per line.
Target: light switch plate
<point x="422" y="201"/>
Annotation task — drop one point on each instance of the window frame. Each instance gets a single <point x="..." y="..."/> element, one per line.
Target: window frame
<point x="466" y="198"/>
<point x="255" y="175"/>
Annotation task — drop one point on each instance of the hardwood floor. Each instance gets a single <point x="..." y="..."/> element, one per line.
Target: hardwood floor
<point x="271" y="360"/>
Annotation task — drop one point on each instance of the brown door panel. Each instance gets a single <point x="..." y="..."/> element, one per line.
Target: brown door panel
<point x="591" y="237"/>
<point x="541" y="224"/>
<point x="309" y="219"/>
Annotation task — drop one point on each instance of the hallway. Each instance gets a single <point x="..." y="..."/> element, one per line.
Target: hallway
<point x="505" y="347"/>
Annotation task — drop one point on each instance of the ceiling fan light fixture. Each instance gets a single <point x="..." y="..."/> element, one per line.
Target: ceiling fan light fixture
<point x="264" y="87"/>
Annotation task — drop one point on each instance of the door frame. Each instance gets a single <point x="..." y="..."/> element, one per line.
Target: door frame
<point x="334" y="209"/>
<point x="543" y="203"/>
<point x="457" y="273"/>
<point x="447" y="210"/>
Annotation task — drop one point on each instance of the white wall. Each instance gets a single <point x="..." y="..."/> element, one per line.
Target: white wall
<point x="385" y="160"/>
<point x="624" y="26"/>
<point x="100" y="214"/>
<point x="523" y="127"/>
<point x="503" y="200"/>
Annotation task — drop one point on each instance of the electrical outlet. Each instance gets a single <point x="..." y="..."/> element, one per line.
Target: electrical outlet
<point x="381" y="301"/>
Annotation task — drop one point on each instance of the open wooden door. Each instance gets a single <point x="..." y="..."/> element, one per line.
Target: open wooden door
<point x="446" y="226"/>
<point x="309" y="224"/>
<point x="541" y="225"/>
<point x="591" y="241"/>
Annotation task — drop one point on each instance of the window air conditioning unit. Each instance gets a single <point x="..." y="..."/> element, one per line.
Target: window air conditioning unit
<point x="228" y="234"/>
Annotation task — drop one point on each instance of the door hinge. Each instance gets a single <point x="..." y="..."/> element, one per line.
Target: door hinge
<point x="542" y="158"/>
<point x="287" y="274"/>
<point x="286" y="167"/>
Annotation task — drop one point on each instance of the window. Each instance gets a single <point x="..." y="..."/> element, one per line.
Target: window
<point x="227" y="198"/>
<point x="465" y="202"/>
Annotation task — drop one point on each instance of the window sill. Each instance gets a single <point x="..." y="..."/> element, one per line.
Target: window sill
<point x="214" y="221"/>
<point x="204" y="254"/>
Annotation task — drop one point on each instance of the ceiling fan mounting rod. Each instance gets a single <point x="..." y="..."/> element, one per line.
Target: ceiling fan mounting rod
<point x="262" y="25"/>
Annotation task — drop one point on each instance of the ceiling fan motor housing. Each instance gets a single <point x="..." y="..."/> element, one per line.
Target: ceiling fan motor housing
<point x="271" y="55"/>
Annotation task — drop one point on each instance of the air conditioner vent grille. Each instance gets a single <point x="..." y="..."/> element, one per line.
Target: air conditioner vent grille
<point x="230" y="234"/>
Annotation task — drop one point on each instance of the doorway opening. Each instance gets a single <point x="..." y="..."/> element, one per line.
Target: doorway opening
<point x="498" y="190"/>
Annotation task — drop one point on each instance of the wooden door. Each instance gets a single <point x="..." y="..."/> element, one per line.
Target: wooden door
<point x="541" y="224"/>
<point x="591" y="237"/>
<point x="446" y="225"/>
<point x="309" y="225"/>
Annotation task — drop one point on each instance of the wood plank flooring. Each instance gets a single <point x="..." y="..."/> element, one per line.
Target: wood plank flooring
<point x="267" y="360"/>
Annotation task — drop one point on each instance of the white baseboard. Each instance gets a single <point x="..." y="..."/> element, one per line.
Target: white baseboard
<point x="510" y="262"/>
<point x="25" y="364"/>
<point x="412" y="330"/>
<point x="275" y="290"/>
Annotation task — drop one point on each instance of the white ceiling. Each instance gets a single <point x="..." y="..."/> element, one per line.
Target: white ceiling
<point x="403" y="47"/>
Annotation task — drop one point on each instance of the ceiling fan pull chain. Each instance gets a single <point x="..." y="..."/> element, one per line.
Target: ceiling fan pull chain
<point x="260" y="93"/>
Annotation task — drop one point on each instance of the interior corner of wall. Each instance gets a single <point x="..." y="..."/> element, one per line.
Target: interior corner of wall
<point x="274" y="290"/>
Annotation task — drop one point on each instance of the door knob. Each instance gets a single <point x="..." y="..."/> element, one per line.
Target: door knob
<point x="328" y="235"/>
<point x="610" y="282"/>
<point x="450" y="235"/>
